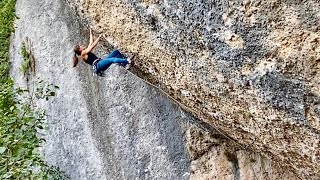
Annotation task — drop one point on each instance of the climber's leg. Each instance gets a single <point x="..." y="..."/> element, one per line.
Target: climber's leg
<point x="105" y="63"/>
<point x="115" y="54"/>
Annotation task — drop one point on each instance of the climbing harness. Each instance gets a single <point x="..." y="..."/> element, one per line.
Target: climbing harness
<point x="95" y="69"/>
<point x="96" y="73"/>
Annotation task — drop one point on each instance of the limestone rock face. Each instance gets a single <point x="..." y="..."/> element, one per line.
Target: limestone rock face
<point x="251" y="68"/>
<point x="233" y="64"/>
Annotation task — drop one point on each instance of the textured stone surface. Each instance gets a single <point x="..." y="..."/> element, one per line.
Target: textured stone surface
<point x="223" y="160"/>
<point x="250" y="68"/>
<point x="119" y="127"/>
<point x="69" y="144"/>
<point x="112" y="128"/>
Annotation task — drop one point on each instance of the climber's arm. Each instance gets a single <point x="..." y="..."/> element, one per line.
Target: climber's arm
<point x="91" y="39"/>
<point x="91" y="46"/>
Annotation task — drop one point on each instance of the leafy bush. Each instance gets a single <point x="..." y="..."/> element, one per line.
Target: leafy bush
<point x="7" y="16"/>
<point x="20" y="141"/>
<point x="20" y="122"/>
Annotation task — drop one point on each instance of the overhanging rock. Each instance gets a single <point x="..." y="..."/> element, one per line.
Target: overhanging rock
<point x="250" y="68"/>
<point x="255" y="100"/>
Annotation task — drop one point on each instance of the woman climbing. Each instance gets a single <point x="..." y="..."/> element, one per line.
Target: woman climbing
<point x="99" y="65"/>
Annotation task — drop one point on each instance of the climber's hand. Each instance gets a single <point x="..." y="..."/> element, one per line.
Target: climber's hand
<point x="91" y="38"/>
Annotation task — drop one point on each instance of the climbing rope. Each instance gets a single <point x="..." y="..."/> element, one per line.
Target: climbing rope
<point x="190" y="110"/>
<point x="180" y="104"/>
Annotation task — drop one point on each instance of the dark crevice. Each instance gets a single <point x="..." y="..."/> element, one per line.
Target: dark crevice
<point x="232" y="157"/>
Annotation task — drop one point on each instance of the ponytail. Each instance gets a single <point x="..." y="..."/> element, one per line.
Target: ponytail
<point x="75" y="60"/>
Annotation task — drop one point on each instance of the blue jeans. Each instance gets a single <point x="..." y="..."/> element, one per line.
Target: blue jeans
<point x="114" y="57"/>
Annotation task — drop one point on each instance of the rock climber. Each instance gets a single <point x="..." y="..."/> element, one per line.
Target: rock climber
<point x="99" y="65"/>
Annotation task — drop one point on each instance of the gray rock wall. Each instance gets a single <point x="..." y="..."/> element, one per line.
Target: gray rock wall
<point x="250" y="67"/>
<point x="69" y="143"/>
<point x="119" y="127"/>
<point x="139" y="132"/>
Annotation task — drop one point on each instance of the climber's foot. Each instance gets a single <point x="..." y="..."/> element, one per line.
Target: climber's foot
<point x="128" y="66"/>
<point x="131" y="60"/>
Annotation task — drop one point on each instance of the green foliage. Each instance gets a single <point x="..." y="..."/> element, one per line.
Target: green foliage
<point x="7" y="16"/>
<point x="20" y="121"/>
<point x="25" y="66"/>
<point x="20" y="124"/>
